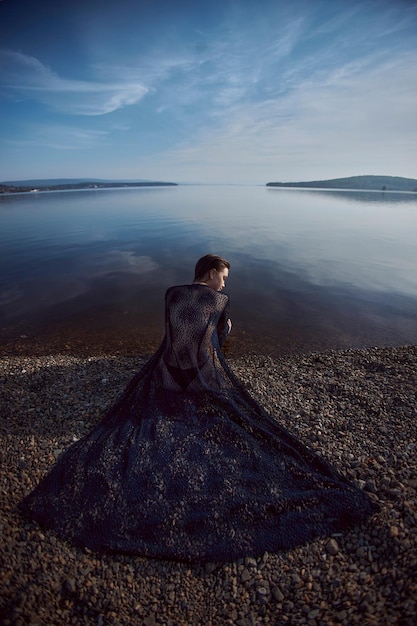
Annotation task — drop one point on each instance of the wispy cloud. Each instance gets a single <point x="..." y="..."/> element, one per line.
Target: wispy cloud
<point x="25" y="76"/>
<point x="212" y="70"/>
<point x="59" y="138"/>
<point x="305" y="129"/>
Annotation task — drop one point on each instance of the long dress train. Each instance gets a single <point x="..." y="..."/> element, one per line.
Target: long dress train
<point x="187" y="465"/>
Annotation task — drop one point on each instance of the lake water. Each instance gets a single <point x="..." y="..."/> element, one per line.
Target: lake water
<point x="311" y="270"/>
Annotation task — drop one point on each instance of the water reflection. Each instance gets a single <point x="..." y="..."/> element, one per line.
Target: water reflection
<point x="365" y="197"/>
<point x="310" y="270"/>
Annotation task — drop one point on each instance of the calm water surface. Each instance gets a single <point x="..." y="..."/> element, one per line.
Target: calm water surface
<point x="311" y="270"/>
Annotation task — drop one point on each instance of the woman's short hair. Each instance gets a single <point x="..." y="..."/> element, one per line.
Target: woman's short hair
<point x="207" y="263"/>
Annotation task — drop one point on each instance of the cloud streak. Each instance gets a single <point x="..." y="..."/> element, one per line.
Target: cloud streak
<point x="60" y="138"/>
<point x="343" y="115"/>
<point x="25" y="76"/>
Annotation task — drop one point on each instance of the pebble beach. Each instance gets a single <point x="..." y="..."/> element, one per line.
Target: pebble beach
<point x="357" y="408"/>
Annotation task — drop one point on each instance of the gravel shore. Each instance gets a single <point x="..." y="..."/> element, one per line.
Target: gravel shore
<point x="357" y="407"/>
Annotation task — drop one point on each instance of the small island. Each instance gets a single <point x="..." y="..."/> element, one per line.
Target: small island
<point x="62" y="185"/>
<point x="362" y="183"/>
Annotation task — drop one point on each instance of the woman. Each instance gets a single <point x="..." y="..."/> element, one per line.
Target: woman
<point x="187" y="465"/>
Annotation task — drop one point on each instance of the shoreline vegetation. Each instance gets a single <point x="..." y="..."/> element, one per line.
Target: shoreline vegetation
<point x="7" y="188"/>
<point x="355" y="407"/>
<point x="356" y="183"/>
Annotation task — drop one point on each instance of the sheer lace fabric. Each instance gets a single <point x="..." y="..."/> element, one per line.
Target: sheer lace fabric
<point x="187" y="465"/>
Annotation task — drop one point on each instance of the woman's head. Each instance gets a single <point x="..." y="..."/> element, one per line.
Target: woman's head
<point x="212" y="270"/>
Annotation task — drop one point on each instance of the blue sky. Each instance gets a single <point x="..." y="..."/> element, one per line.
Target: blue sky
<point x="212" y="91"/>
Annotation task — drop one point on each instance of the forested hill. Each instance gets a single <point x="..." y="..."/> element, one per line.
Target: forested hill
<point x="377" y="183"/>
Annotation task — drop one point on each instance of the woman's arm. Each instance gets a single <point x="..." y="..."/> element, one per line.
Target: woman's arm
<point x="224" y="325"/>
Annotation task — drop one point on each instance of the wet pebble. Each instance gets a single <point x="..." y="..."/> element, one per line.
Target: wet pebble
<point x="332" y="547"/>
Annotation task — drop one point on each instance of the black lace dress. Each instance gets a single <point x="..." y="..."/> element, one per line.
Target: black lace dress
<point x="187" y="465"/>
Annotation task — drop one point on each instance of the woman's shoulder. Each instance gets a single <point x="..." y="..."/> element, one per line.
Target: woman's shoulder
<point x="177" y="291"/>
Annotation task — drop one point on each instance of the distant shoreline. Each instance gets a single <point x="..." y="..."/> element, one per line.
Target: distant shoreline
<point x="7" y="189"/>
<point x="356" y="183"/>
